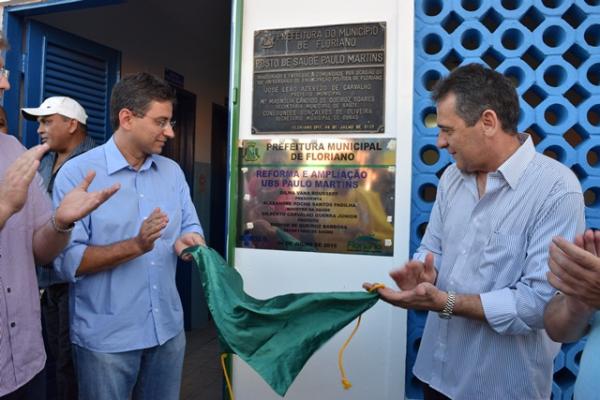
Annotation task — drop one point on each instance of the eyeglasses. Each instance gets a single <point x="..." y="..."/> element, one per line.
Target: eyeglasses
<point x="162" y="123"/>
<point x="4" y="73"/>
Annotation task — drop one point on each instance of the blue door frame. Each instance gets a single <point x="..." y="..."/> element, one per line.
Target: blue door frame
<point x="14" y="29"/>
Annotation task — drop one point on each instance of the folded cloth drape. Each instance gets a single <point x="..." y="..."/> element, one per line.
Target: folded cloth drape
<point x="275" y="336"/>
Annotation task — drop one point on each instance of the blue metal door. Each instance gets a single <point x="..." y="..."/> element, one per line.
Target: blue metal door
<point x="58" y="63"/>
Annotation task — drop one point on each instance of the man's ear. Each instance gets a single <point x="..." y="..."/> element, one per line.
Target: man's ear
<point x="73" y="125"/>
<point x="489" y="122"/>
<point x="125" y="118"/>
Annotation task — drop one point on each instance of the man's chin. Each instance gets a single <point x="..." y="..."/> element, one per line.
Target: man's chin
<point x="50" y="147"/>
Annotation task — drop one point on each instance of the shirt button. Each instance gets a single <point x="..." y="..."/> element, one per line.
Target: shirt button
<point x="12" y="324"/>
<point x="8" y="290"/>
<point x="156" y="310"/>
<point x="154" y="287"/>
<point x="141" y="195"/>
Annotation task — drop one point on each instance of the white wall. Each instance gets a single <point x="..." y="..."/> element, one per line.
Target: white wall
<point x="375" y="358"/>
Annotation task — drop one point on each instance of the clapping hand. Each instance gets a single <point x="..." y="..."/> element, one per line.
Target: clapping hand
<point x="18" y="177"/>
<point x="575" y="268"/>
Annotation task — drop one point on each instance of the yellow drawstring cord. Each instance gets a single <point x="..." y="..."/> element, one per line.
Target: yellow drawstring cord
<point x="376" y="286"/>
<point x="345" y="382"/>
<point x="223" y="356"/>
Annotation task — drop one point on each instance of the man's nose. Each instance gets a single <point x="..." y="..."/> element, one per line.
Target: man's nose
<point x="169" y="132"/>
<point x="442" y="141"/>
<point x="4" y="83"/>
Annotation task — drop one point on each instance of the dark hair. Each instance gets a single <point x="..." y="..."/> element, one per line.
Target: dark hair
<point x="477" y="89"/>
<point x="135" y="92"/>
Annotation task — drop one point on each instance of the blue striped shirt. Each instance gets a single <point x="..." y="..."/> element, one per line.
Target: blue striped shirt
<point x="136" y="304"/>
<point x="497" y="246"/>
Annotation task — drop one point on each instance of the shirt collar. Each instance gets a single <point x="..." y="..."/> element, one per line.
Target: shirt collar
<point x="513" y="168"/>
<point x="115" y="161"/>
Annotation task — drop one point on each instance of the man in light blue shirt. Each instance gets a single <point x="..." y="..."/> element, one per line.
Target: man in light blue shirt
<point x="574" y="311"/>
<point x="126" y="315"/>
<point x="481" y="267"/>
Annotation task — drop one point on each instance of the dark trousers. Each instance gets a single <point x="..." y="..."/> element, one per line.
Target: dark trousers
<point x="431" y="394"/>
<point x="55" y="307"/>
<point x="35" y="389"/>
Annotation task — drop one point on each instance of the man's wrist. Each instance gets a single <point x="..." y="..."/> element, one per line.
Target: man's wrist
<point x="448" y="310"/>
<point x="139" y="246"/>
<point x="59" y="226"/>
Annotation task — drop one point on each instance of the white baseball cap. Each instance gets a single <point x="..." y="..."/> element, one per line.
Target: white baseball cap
<point x="65" y="106"/>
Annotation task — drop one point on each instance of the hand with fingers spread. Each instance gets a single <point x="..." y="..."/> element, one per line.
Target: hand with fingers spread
<point x="50" y="239"/>
<point x="575" y="269"/>
<point x="16" y="180"/>
<point x="151" y="230"/>
<point x="415" y="272"/>
<point x="424" y="296"/>
<point x="187" y="240"/>
<point x="79" y="202"/>
<point x="417" y="283"/>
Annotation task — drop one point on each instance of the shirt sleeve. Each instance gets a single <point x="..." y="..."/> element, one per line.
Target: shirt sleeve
<point x="189" y="218"/>
<point x="68" y="261"/>
<point x="519" y="309"/>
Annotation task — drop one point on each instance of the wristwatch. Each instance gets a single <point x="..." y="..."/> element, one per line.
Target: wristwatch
<point x="446" y="312"/>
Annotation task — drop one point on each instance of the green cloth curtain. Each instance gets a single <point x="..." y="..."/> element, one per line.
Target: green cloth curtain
<point x="275" y="336"/>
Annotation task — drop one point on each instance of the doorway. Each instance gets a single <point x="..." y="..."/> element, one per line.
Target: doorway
<point x="190" y="37"/>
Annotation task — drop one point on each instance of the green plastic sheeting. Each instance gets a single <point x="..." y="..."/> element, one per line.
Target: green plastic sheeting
<point x="275" y="336"/>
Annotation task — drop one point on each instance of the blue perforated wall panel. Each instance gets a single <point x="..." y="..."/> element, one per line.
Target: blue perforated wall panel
<point x="551" y="49"/>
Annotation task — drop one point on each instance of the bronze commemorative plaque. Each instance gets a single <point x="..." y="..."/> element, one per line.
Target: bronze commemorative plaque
<point x="324" y="79"/>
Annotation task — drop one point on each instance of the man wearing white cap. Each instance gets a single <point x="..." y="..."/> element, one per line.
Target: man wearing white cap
<point x="63" y="127"/>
